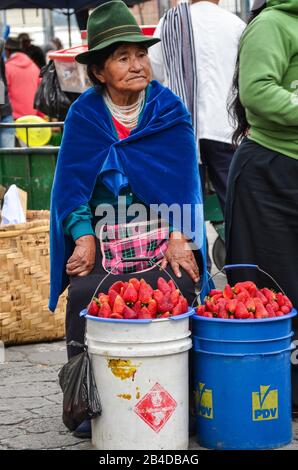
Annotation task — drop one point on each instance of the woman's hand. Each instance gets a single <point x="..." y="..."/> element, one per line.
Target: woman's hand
<point x="82" y="260"/>
<point x="179" y="254"/>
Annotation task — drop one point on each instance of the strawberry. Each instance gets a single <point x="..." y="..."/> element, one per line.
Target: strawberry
<point x="165" y="303"/>
<point x="231" y="306"/>
<point x="129" y="313"/>
<point x="270" y="310"/>
<point x="285" y="309"/>
<point x="119" y="305"/>
<point x="137" y="306"/>
<point x="249" y="286"/>
<point x="216" y="297"/>
<point x="130" y="295"/>
<point x="279" y="313"/>
<point x="157" y="295"/>
<point x="222" y="312"/>
<point x="93" y="308"/>
<point x="261" y="312"/>
<point x="112" y="296"/>
<point x="261" y="296"/>
<point x="250" y="305"/>
<point x="152" y="307"/>
<point x="135" y="282"/>
<point x="269" y="294"/>
<point x="209" y="305"/>
<point x="200" y="310"/>
<point x="172" y="285"/>
<point x="241" y="311"/>
<point x="116" y="316"/>
<point x="144" y="313"/>
<point x="145" y="292"/>
<point x="105" y="310"/>
<point x="116" y="286"/>
<point x="163" y="286"/>
<point x="287" y="302"/>
<point x="275" y="306"/>
<point x="165" y="315"/>
<point x="175" y="297"/>
<point x="243" y="296"/>
<point x="184" y="304"/>
<point x="227" y="292"/>
<point x="178" y="309"/>
<point x="215" y="292"/>
<point x="280" y="299"/>
<point x="103" y="298"/>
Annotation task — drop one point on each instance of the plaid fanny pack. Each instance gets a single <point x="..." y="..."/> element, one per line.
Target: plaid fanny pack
<point x="133" y="240"/>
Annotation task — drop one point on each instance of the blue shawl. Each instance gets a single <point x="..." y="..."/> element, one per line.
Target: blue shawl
<point x="158" y="160"/>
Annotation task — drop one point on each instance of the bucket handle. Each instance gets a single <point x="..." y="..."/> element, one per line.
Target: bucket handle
<point x="130" y="260"/>
<point x="238" y="266"/>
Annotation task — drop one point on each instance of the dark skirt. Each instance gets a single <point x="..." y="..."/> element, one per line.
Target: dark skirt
<point x="81" y="290"/>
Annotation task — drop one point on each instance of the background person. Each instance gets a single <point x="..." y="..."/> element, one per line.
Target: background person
<point x="262" y="200"/>
<point x="7" y="136"/>
<point x="34" y="52"/>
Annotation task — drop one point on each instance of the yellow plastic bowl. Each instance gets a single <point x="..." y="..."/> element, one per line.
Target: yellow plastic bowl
<point x="37" y="136"/>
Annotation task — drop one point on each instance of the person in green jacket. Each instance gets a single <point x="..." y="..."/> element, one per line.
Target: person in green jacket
<point x="262" y="199"/>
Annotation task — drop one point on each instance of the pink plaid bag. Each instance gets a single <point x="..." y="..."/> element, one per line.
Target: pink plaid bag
<point x="133" y="240"/>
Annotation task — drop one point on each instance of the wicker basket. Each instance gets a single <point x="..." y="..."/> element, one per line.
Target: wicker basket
<point x="24" y="283"/>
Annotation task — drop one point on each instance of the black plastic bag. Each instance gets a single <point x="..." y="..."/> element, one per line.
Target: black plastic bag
<point x="80" y="396"/>
<point x="49" y="98"/>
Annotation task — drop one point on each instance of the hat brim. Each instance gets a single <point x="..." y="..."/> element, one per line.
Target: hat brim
<point x="89" y="56"/>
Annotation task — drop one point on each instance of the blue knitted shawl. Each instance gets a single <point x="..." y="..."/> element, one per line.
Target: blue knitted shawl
<point x="158" y="160"/>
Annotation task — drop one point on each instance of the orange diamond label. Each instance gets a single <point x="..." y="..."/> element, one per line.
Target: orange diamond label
<point x="156" y="407"/>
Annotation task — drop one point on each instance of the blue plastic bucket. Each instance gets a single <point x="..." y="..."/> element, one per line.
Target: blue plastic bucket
<point x="243" y="382"/>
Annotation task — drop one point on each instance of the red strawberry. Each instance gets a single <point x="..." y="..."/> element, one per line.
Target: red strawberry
<point x="144" y="313"/>
<point x="135" y="282"/>
<point x="231" y="306"/>
<point x="279" y="313"/>
<point x="178" y="310"/>
<point x="93" y="308"/>
<point x="165" y="303"/>
<point x="116" y="286"/>
<point x="165" y="315"/>
<point x="227" y="292"/>
<point x="201" y="310"/>
<point x="137" y="306"/>
<point x="103" y="298"/>
<point x="243" y="296"/>
<point x="130" y="295"/>
<point x="270" y="310"/>
<point x="287" y="302"/>
<point x="175" y="297"/>
<point x="157" y="295"/>
<point x="119" y="305"/>
<point x="209" y="305"/>
<point x="116" y="316"/>
<point x="129" y="313"/>
<point x="269" y="294"/>
<point x="145" y="292"/>
<point x="215" y="292"/>
<point x="222" y="312"/>
<point x="184" y="304"/>
<point x="112" y="296"/>
<point x="152" y="307"/>
<point x="163" y="286"/>
<point x="105" y="310"/>
<point x="261" y="312"/>
<point x="280" y="299"/>
<point x="172" y="285"/>
<point x="217" y="297"/>
<point x="241" y="311"/>
<point x="275" y="306"/>
<point x="285" y="309"/>
<point x="261" y="296"/>
<point x="249" y="285"/>
<point x="250" y="305"/>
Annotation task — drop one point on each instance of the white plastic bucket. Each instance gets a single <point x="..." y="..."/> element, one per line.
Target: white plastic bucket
<point x="141" y="371"/>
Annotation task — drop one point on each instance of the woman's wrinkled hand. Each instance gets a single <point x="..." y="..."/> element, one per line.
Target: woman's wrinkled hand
<point x="180" y="255"/>
<point x="82" y="260"/>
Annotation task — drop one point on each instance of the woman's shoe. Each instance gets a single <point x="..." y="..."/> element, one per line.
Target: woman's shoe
<point x="83" y="430"/>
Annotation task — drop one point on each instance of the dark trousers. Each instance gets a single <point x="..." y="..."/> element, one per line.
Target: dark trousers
<point x="81" y="290"/>
<point x="216" y="157"/>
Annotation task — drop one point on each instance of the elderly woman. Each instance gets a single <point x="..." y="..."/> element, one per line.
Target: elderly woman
<point x="128" y="137"/>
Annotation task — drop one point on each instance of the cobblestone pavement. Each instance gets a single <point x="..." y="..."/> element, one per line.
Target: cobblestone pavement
<point x="31" y="400"/>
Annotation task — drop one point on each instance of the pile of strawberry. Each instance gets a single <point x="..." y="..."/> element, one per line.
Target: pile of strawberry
<point x="138" y="300"/>
<point x="243" y="301"/>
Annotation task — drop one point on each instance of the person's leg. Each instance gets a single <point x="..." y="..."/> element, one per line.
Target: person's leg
<point x="217" y="157"/>
<point x="7" y="136"/>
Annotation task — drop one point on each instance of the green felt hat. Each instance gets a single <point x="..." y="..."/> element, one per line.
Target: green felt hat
<point x="109" y="24"/>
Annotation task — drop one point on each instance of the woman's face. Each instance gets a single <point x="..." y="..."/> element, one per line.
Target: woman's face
<point x="127" y="70"/>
